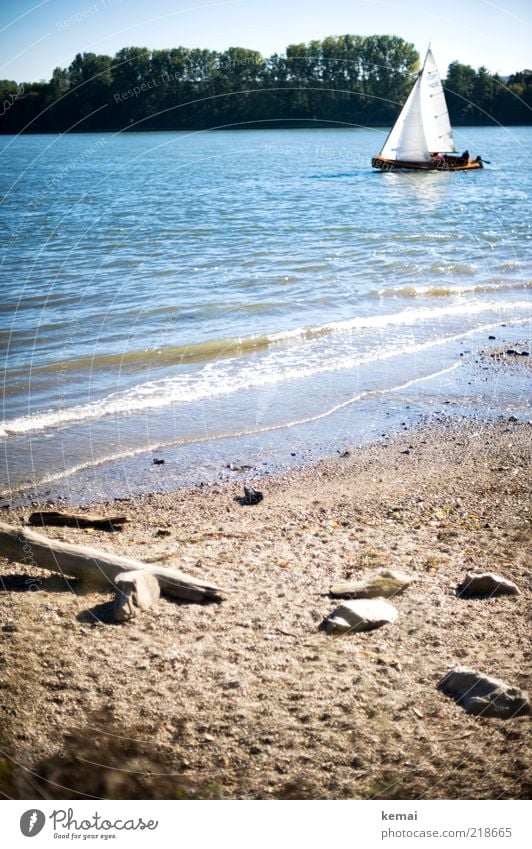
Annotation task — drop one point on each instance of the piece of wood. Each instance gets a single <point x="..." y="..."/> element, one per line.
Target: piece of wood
<point x="135" y="591"/>
<point x="383" y="584"/>
<point x="94" y="566"/>
<point x="75" y="520"/>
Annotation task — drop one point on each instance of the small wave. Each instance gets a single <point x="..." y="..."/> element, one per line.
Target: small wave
<point x="217" y="349"/>
<point x="213" y="349"/>
<point x="454" y="268"/>
<point x="413" y="292"/>
<point x="131" y="453"/>
<point x="447" y="291"/>
<point x="215" y="381"/>
<point x="339" y="176"/>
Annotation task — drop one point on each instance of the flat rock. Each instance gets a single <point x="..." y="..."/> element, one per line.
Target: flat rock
<point x="360" y="615"/>
<point x="135" y="591"/>
<point x="484" y="696"/>
<point x="381" y="584"/>
<point x="486" y="584"/>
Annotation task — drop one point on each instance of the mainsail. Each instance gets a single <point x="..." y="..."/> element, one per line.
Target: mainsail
<point x="423" y="125"/>
<point x="436" y="124"/>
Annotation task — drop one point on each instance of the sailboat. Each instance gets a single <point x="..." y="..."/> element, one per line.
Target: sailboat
<point x="421" y="138"/>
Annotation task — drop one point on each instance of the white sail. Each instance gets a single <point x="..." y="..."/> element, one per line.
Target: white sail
<point x="438" y="133"/>
<point x="423" y="124"/>
<point x="407" y="138"/>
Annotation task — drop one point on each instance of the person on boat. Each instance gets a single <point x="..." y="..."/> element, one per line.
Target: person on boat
<point x="439" y="159"/>
<point x="464" y="159"/>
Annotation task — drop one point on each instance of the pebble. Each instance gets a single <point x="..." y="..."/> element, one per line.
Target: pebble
<point x="252" y="496"/>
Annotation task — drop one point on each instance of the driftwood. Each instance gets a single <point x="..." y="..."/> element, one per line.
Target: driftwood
<point x="135" y="591"/>
<point x="75" y="520"/>
<point x="94" y="566"/>
<point x="381" y="584"/>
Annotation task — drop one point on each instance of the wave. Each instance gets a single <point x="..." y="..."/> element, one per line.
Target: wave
<point x="217" y="349"/>
<point x="255" y="431"/>
<point x="447" y="291"/>
<point x="214" y="380"/>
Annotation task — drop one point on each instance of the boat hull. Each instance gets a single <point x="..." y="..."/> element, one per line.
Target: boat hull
<point x="430" y="165"/>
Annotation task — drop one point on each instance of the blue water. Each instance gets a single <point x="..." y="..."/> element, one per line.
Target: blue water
<point x="177" y="289"/>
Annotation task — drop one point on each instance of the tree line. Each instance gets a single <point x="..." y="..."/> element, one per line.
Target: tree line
<point x="345" y="80"/>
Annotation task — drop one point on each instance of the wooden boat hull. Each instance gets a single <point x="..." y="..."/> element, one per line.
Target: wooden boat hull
<point x="430" y="165"/>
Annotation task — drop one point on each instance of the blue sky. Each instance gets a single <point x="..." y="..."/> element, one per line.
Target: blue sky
<point x="38" y="35"/>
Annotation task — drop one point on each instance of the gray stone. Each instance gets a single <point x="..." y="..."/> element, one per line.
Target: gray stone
<point x="484" y="696"/>
<point x="381" y="584"/>
<point x="486" y="584"/>
<point x="135" y="591"/>
<point x="360" y="615"/>
<point x="252" y="496"/>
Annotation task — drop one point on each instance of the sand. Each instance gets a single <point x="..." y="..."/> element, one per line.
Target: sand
<point x="248" y="699"/>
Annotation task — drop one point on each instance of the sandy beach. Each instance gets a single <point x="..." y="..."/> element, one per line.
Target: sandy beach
<point x="248" y="699"/>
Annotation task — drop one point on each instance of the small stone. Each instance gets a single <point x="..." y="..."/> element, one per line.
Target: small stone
<point x="158" y="462"/>
<point x="360" y="615"/>
<point x="384" y="583"/>
<point x="491" y="337"/>
<point x="486" y="584"/>
<point x="484" y="696"/>
<point x="252" y="496"/>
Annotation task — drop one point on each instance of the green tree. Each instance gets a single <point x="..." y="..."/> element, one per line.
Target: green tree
<point x="339" y="79"/>
<point x="459" y="86"/>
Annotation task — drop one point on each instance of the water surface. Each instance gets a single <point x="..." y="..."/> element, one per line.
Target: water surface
<point x="177" y="289"/>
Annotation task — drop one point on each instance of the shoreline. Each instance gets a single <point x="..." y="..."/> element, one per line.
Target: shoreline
<point x="484" y="384"/>
<point x="248" y="698"/>
<point x="266" y="124"/>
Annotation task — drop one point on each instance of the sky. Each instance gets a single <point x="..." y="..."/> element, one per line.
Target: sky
<point x="38" y="35"/>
